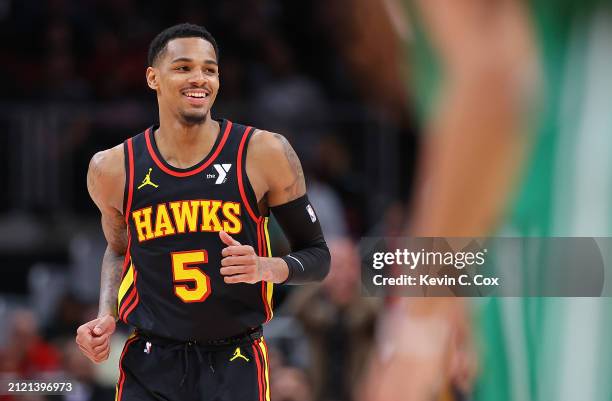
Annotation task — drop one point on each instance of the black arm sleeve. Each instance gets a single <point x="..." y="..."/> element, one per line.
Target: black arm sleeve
<point x="309" y="258"/>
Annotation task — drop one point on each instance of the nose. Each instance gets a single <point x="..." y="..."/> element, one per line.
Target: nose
<point x="197" y="77"/>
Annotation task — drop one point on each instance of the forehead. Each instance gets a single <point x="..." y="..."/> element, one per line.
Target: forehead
<point x="197" y="49"/>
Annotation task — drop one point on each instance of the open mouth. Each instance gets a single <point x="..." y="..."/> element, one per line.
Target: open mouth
<point x="196" y="96"/>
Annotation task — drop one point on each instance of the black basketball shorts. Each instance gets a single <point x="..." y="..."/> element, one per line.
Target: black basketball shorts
<point x="153" y="370"/>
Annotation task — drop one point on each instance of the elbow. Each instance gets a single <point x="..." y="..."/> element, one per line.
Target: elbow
<point x="325" y="262"/>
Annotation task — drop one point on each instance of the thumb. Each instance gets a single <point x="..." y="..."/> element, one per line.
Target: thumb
<point x="227" y="239"/>
<point x="106" y="325"/>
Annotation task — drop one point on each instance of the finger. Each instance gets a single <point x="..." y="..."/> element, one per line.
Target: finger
<point x="232" y="270"/>
<point x="100" y="348"/>
<point x="84" y="340"/>
<point x="227" y="239"/>
<point x="238" y="250"/>
<point x="85" y="350"/>
<point x="84" y="331"/>
<point x="239" y="260"/>
<point x="105" y="325"/>
<point x="103" y="354"/>
<point x="89" y="325"/>
<point x="239" y="278"/>
<point x="89" y="344"/>
<point x="87" y="353"/>
<point x="102" y="358"/>
<point x="97" y="341"/>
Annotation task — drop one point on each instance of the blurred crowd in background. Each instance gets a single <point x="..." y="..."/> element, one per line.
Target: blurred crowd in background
<point x="487" y="118"/>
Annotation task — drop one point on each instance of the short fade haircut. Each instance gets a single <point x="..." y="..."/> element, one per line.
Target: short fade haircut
<point x="184" y="30"/>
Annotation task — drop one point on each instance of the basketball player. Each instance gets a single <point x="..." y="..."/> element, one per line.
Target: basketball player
<point x="188" y="263"/>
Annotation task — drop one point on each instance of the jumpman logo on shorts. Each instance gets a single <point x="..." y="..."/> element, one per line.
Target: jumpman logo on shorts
<point x="147" y="181"/>
<point x="237" y="354"/>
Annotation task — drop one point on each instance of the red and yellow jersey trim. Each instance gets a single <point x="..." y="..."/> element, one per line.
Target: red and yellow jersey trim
<point x="260" y="351"/>
<point x="130" y="180"/>
<point x="128" y="274"/>
<point x="263" y="238"/>
<point x="119" y="388"/>
<point x="127" y="296"/>
<point x="240" y="173"/>
<point x="267" y="289"/>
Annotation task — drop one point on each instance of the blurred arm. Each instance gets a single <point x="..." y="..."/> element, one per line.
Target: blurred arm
<point x="474" y="148"/>
<point x="476" y="141"/>
<point x="425" y="349"/>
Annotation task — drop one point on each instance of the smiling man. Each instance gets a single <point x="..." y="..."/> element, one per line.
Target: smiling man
<point x="184" y="210"/>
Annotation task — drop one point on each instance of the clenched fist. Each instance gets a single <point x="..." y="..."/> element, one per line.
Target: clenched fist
<point x="93" y="338"/>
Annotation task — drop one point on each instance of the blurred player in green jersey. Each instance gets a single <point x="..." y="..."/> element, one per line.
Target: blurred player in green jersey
<point x="514" y="96"/>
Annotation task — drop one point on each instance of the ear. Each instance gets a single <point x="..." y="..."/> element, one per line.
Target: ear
<point x="151" y="75"/>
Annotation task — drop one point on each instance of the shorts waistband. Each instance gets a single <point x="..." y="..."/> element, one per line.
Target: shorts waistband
<point x="248" y="337"/>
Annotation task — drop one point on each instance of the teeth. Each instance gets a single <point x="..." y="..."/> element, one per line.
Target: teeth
<point x="197" y="94"/>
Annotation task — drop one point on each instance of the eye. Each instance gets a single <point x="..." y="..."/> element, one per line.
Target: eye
<point x="181" y="68"/>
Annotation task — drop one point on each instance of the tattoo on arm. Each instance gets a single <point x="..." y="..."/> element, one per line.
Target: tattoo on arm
<point x="112" y="263"/>
<point x="110" y="279"/>
<point x="298" y="186"/>
<point x="103" y="187"/>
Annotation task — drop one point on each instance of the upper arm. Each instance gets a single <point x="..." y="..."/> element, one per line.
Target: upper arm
<point x="274" y="168"/>
<point x="105" y="183"/>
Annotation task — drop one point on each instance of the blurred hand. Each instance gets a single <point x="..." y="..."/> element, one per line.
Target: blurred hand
<point x="290" y="384"/>
<point x="431" y="339"/>
<point x="93" y="338"/>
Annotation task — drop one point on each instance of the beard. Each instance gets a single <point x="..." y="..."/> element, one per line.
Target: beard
<point x="193" y="118"/>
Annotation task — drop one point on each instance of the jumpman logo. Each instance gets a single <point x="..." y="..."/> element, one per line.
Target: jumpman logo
<point x="237" y="354"/>
<point x="147" y="181"/>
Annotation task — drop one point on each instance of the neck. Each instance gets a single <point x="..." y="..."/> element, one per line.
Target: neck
<point x="183" y="145"/>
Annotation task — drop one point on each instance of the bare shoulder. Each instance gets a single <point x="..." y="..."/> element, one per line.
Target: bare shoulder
<point x="109" y="161"/>
<point x="106" y="177"/>
<point x="267" y="144"/>
<point x="272" y="154"/>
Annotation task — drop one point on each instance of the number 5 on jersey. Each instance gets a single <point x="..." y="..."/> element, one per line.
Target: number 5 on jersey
<point x="183" y="271"/>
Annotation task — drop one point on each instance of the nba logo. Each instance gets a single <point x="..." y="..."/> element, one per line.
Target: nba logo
<point x="147" y="349"/>
<point x="311" y="212"/>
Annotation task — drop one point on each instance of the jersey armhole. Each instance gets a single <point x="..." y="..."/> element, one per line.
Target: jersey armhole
<point x="249" y="199"/>
<point x="128" y="190"/>
<point x="244" y="184"/>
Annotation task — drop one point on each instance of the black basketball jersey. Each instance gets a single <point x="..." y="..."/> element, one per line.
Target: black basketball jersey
<point x="171" y="284"/>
